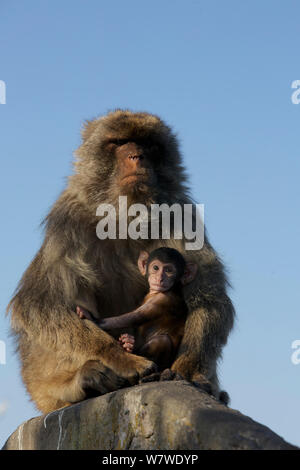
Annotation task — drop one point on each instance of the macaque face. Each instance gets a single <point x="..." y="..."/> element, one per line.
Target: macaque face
<point x="134" y="161"/>
<point x="161" y="276"/>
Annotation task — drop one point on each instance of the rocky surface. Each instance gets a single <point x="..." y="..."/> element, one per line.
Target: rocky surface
<point x="159" y="416"/>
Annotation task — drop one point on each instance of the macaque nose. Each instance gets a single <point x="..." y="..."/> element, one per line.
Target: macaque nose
<point x="136" y="156"/>
<point x="136" y="161"/>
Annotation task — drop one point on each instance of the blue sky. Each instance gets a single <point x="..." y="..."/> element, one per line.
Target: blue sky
<point x="220" y="73"/>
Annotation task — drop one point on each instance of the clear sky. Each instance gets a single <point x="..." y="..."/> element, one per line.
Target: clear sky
<point x="220" y="73"/>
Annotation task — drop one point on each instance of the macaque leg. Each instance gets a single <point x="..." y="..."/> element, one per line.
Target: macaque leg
<point x="160" y="350"/>
<point x="96" y="379"/>
<point x="55" y="381"/>
<point x="65" y="387"/>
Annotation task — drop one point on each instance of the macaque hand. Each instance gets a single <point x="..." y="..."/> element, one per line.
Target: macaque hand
<point x="127" y="342"/>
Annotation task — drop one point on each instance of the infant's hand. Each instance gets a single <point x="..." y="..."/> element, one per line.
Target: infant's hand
<point x="127" y="342"/>
<point x="83" y="313"/>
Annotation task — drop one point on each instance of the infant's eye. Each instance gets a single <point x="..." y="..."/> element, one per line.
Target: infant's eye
<point x="121" y="141"/>
<point x="169" y="270"/>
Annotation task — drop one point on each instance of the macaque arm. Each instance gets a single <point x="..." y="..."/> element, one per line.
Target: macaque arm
<point x="150" y="310"/>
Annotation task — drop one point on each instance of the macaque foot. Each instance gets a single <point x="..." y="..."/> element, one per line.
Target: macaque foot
<point x="150" y="369"/>
<point x="134" y="368"/>
<point x="150" y="378"/>
<point x="201" y="382"/>
<point x="169" y="374"/>
<point x="96" y="379"/>
<point x="165" y="375"/>
<point x="206" y="387"/>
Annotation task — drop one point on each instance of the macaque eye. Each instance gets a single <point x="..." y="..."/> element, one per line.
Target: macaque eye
<point x="118" y="142"/>
<point x="170" y="269"/>
<point x="155" y="267"/>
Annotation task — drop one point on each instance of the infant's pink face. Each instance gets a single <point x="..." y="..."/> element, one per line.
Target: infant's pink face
<point x="161" y="276"/>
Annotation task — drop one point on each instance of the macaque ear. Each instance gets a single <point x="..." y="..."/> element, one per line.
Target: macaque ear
<point x="142" y="262"/>
<point x="189" y="273"/>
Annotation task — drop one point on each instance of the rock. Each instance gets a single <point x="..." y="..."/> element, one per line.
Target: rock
<point x="157" y="416"/>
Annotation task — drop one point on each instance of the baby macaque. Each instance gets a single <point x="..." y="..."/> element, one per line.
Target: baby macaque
<point x="160" y="320"/>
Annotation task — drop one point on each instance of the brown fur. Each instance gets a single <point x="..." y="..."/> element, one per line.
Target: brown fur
<point x="159" y="324"/>
<point x="62" y="355"/>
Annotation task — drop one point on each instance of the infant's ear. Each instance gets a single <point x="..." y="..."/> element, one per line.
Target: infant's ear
<point x="142" y="262"/>
<point x="189" y="273"/>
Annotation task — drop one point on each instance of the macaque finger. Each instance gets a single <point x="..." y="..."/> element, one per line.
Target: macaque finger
<point x="128" y="347"/>
<point x="127" y="341"/>
<point x="126" y="337"/>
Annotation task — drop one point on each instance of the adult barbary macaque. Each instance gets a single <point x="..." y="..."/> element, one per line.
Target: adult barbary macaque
<point x="65" y="359"/>
<point x="161" y="318"/>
